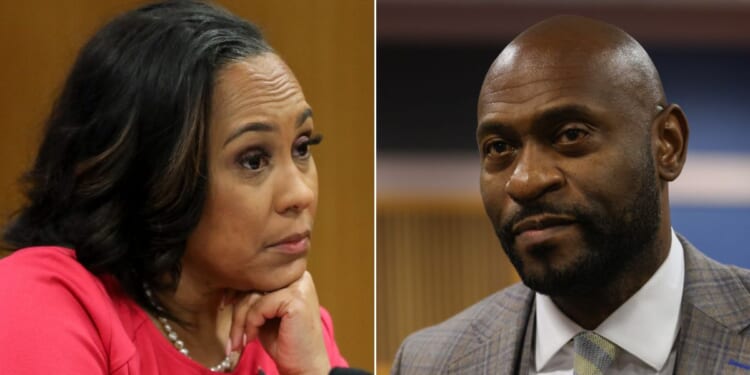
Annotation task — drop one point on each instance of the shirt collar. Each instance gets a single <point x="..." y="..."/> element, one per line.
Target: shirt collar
<point x="645" y="325"/>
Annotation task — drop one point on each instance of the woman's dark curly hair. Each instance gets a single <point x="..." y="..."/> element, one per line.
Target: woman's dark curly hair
<point x="120" y="176"/>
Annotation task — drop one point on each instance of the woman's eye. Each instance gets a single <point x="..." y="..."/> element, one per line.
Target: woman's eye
<point x="571" y="135"/>
<point x="254" y="160"/>
<point x="301" y="147"/>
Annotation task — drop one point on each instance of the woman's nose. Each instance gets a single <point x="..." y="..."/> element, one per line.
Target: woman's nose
<point x="296" y="189"/>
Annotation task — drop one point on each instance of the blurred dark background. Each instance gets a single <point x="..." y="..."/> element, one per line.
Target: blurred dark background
<point x="432" y="57"/>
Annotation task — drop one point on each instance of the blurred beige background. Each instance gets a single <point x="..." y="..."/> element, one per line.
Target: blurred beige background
<point x="329" y="46"/>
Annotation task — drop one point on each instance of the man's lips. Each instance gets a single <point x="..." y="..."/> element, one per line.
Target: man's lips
<point x="538" y="229"/>
<point x="540" y="222"/>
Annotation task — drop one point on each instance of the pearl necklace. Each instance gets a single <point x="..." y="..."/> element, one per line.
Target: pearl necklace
<point x="225" y="364"/>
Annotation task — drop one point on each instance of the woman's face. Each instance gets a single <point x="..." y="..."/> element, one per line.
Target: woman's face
<point x="254" y="230"/>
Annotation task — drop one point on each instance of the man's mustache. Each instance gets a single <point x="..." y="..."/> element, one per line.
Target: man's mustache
<point x="506" y="228"/>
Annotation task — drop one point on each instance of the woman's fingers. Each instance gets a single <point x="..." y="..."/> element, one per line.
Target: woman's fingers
<point x="287" y="323"/>
<point x="240" y="325"/>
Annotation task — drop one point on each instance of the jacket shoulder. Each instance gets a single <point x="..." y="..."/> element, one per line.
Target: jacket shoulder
<point x="720" y="291"/>
<point x="498" y="317"/>
<point x="743" y="274"/>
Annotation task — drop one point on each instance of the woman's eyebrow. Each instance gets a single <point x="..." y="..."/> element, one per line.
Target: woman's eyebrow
<point x="307" y="113"/>
<point x="251" y="127"/>
<point x="266" y="127"/>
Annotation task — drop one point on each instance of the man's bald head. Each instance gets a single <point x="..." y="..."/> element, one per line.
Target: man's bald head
<point x="564" y="42"/>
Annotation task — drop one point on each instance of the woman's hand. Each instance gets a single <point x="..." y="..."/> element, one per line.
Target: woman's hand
<point x="287" y="322"/>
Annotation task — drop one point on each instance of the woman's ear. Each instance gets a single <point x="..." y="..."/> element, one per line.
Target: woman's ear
<point x="670" y="132"/>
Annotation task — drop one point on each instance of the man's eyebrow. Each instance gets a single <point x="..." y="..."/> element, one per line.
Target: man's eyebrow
<point x="251" y="127"/>
<point x="540" y="121"/>
<point x="563" y="113"/>
<point x="490" y="127"/>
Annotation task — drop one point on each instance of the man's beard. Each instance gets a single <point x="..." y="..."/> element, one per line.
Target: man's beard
<point x="612" y="244"/>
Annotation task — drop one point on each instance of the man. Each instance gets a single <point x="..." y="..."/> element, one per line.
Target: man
<point x="578" y="144"/>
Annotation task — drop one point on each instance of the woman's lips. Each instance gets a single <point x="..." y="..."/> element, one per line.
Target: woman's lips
<point x="295" y="244"/>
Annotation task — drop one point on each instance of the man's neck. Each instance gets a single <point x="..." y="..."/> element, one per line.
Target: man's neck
<point x="591" y="308"/>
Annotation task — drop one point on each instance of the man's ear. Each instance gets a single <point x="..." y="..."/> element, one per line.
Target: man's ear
<point x="670" y="134"/>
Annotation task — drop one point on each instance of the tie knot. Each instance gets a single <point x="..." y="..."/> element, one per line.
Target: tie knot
<point x="593" y="353"/>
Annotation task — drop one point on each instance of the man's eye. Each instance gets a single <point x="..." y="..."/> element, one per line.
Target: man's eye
<point x="497" y="148"/>
<point x="571" y="135"/>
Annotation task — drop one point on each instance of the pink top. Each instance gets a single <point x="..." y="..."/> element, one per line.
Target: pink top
<point x="58" y="318"/>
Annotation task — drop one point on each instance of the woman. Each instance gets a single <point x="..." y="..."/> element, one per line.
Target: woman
<point x="169" y="210"/>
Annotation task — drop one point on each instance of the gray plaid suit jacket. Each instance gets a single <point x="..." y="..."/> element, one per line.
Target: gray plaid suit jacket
<point x="495" y="335"/>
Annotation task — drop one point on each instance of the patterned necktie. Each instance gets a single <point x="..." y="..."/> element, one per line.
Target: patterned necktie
<point x="593" y="354"/>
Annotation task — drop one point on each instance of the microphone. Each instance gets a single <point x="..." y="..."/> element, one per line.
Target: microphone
<point x="347" y="371"/>
<point x="336" y="371"/>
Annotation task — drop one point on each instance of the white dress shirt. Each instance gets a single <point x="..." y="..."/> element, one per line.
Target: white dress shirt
<point x="644" y="327"/>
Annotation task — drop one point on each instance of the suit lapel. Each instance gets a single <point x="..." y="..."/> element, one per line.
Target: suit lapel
<point x="714" y="315"/>
<point x="499" y="333"/>
<point x="527" y="353"/>
<point x="715" y="311"/>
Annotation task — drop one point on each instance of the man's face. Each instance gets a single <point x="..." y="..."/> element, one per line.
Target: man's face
<point x="568" y="176"/>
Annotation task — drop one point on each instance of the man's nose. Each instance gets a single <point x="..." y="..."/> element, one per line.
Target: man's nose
<point x="534" y="175"/>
